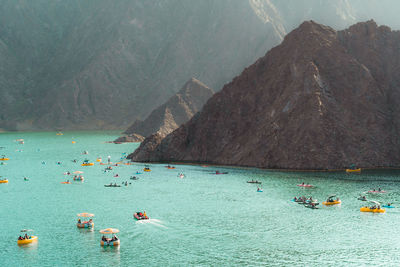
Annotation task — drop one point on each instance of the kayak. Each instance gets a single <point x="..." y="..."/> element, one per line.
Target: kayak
<point x="65" y="182"/>
<point x="140" y="217"/>
<point x="108" y="185"/>
<point x="4" y="159"/>
<point x="3" y="181"/>
<point x="362" y="199"/>
<point x="217" y="172"/>
<point x="374" y="191"/>
<point x="386" y="206"/>
<point x="253" y="182"/>
<point x="259" y="190"/>
<point x="304" y="185"/>
<point x="87" y="164"/>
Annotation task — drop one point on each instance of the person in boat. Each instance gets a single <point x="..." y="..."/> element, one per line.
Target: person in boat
<point x="115" y="184"/>
<point x="379" y="189"/>
<point x="302" y="183"/>
<point x="67" y="181"/>
<point x="295" y="198"/>
<point x="90" y="221"/>
<point x="20" y="238"/>
<point x="144" y="214"/>
<point x="79" y="220"/>
<point x="26" y="236"/>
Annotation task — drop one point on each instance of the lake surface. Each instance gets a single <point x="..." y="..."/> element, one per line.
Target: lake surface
<point x="201" y="220"/>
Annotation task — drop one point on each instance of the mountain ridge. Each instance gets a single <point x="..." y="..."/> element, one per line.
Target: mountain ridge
<point x="316" y="101"/>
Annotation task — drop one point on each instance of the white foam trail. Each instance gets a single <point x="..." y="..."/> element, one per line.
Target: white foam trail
<point x="152" y="222"/>
<point x="159" y="225"/>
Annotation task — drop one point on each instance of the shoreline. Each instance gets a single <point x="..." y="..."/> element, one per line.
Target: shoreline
<point x="268" y="169"/>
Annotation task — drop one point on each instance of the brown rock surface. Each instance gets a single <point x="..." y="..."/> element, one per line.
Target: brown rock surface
<point x="130" y="138"/>
<point x="176" y="111"/>
<point x="322" y="99"/>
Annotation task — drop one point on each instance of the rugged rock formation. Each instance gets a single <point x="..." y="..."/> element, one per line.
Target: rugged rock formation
<point x="130" y="138"/>
<point x="177" y="110"/>
<point x="100" y="64"/>
<point x="322" y="99"/>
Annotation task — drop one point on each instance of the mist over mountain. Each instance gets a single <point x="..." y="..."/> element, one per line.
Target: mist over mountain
<point x="100" y="64"/>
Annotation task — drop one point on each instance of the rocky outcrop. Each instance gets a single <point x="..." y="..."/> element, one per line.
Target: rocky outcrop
<point x="130" y="138"/>
<point x="177" y="110"/>
<point x="322" y="99"/>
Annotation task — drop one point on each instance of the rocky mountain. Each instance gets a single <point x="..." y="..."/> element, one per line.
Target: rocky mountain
<point x="177" y="110"/>
<point x="322" y="99"/>
<point x="99" y="64"/>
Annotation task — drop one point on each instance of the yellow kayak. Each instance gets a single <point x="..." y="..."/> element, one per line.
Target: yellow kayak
<point x="87" y="164"/>
<point x="367" y="209"/>
<point x="326" y="203"/>
<point x="353" y="170"/>
<point x="4" y="158"/>
<point x="3" y="181"/>
<point x="27" y="241"/>
<point x="147" y="170"/>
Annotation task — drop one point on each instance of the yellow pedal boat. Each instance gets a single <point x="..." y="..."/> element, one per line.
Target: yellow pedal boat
<point x="327" y="203"/>
<point x="147" y="169"/>
<point x="376" y="208"/>
<point x="87" y="164"/>
<point x="331" y="201"/>
<point x="32" y="239"/>
<point x="367" y="209"/>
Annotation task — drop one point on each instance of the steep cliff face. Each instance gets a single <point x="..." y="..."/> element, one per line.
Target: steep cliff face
<point x="177" y="110"/>
<point x="101" y="64"/>
<point x="321" y="99"/>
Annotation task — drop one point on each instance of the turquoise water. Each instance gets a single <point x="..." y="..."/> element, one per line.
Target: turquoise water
<point x="201" y="220"/>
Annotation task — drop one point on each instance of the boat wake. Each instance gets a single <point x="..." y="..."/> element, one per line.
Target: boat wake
<point x="155" y="222"/>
